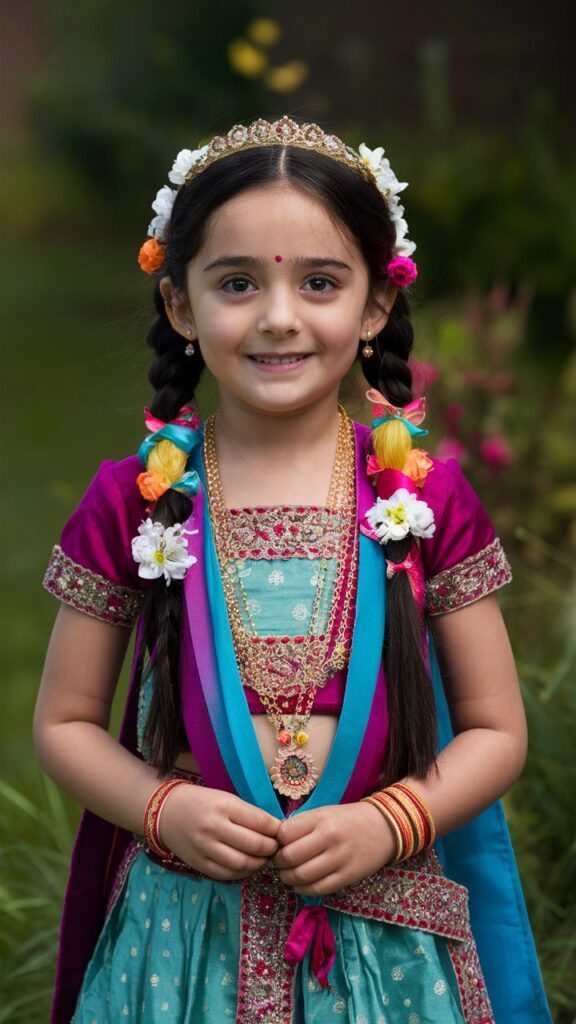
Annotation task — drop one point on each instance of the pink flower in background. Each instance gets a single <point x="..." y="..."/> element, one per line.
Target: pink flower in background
<point x="453" y="413"/>
<point x="451" y="448"/>
<point x="495" y="452"/>
<point x="423" y="376"/>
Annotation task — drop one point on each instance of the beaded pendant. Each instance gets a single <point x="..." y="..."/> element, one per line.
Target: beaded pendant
<point x="293" y="773"/>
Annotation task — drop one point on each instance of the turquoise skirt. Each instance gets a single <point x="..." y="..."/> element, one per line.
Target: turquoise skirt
<point x="169" y="952"/>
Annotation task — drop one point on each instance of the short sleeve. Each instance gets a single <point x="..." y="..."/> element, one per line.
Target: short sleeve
<point x="92" y="567"/>
<point x="464" y="560"/>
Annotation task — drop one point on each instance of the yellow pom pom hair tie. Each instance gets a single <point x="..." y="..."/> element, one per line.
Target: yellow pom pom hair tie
<point x="165" y="453"/>
<point x="395" y="463"/>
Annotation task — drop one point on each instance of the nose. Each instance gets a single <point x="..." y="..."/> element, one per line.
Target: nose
<point x="279" y="317"/>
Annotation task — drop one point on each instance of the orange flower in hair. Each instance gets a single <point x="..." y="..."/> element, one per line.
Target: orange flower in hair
<point x="151" y="256"/>
<point x="417" y="466"/>
<point x="152" y="486"/>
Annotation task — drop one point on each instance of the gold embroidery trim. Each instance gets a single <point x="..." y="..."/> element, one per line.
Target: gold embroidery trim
<point x="89" y="592"/>
<point x="468" y="580"/>
<point x="287" y="531"/>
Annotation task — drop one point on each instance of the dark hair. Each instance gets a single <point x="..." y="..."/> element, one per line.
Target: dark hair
<point x="357" y="204"/>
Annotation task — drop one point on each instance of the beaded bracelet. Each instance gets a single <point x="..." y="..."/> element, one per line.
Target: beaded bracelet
<point x="152" y="818"/>
<point x="409" y="818"/>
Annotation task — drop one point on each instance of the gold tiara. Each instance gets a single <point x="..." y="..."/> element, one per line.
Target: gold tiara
<point x="284" y="132"/>
<point x="371" y="164"/>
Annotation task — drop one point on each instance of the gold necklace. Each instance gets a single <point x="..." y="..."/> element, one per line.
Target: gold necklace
<point x="287" y="671"/>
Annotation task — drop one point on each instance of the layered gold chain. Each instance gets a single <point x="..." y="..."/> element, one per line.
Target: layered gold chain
<point x="287" y="668"/>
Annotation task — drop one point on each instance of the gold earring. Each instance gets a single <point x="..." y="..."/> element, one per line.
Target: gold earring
<point x="367" y="351"/>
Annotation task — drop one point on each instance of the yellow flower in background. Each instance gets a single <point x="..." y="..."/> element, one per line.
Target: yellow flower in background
<point x="264" y="31"/>
<point x="246" y="59"/>
<point x="287" y="77"/>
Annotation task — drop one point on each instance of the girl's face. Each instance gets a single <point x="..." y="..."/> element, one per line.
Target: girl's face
<point x="278" y="297"/>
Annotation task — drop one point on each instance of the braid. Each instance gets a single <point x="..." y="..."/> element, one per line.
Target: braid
<point x="174" y="377"/>
<point x="412" y="712"/>
<point x="387" y="369"/>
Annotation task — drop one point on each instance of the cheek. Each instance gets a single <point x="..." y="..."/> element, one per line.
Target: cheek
<point x="220" y="327"/>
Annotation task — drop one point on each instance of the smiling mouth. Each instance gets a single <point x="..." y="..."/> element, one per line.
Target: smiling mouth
<point x="279" y="360"/>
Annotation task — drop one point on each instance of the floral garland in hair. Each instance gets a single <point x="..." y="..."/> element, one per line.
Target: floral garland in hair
<point x="371" y="163"/>
<point x="398" y="471"/>
<point x="162" y="550"/>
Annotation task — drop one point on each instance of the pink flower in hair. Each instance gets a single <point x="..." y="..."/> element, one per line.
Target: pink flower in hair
<point x="402" y="271"/>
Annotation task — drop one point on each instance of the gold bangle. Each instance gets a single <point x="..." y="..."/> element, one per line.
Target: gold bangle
<point x="393" y="811"/>
<point x="152" y="817"/>
<point x="416" y="822"/>
<point x="392" y="823"/>
<point x="425" y="811"/>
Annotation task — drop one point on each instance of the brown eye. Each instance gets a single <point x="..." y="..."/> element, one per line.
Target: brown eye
<point x="320" y="284"/>
<point x="238" y="285"/>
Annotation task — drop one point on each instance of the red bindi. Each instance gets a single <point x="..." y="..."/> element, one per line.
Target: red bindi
<point x="278" y="259"/>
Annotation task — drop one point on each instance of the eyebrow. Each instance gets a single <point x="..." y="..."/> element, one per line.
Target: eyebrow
<point x="311" y="262"/>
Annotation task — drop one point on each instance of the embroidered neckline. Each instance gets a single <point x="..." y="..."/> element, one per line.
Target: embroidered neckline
<point x="283" y="531"/>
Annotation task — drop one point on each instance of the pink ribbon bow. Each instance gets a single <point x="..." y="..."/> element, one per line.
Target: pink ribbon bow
<point x="412" y="566"/>
<point x="185" y="417"/>
<point x="414" y="412"/>
<point x="312" y="929"/>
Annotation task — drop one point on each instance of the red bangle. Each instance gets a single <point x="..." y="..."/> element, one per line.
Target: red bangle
<point x="396" y="812"/>
<point x="152" y="818"/>
<point x="424" y="811"/>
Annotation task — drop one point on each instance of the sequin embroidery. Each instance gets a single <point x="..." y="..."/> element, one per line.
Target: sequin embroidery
<point x="469" y="580"/>
<point x="286" y="531"/>
<point x="89" y="592"/>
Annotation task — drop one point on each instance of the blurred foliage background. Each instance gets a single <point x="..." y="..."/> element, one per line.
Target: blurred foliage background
<point x="475" y="106"/>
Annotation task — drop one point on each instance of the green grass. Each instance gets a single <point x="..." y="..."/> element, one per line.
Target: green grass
<point x="35" y="842"/>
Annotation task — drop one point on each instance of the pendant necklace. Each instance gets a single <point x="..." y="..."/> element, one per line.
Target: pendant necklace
<point x="287" y="671"/>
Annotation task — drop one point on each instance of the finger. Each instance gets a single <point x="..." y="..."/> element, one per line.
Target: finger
<point x="254" y="818"/>
<point x="230" y="859"/>
<point x="247" y="841"/>
<point x="307" y="874"/>
<point x="323" y="887"/>
<point x="297" y="826"/>
<point x="301" y="851"/>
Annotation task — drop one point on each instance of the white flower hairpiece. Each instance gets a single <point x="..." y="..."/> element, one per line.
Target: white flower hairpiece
<point x="184" y="162"/>
<point x="162" y="551"/>
<point x="285" y="132"/>
<point x="402" y="513"/>
<point x="389" y="186"/>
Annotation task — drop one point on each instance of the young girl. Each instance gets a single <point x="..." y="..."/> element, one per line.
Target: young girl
<point x="258" y="846"/>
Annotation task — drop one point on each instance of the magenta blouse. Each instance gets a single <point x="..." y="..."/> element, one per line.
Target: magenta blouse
<point x="92" y="568"/>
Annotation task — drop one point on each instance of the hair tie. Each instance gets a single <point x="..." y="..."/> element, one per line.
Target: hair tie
<point x="412" y="566"/>
<point x="165" y="453"/>
<point x="410" y="415"/>
<point x="187" y="416"/>
<point x="182" y="431"/>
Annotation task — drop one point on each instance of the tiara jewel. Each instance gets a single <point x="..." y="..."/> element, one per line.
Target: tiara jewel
<point x="371" y="164"/>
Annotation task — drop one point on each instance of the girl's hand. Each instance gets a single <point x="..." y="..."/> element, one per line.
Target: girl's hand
<point x="323" y="850"/>
<point x="217" y="833"/>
